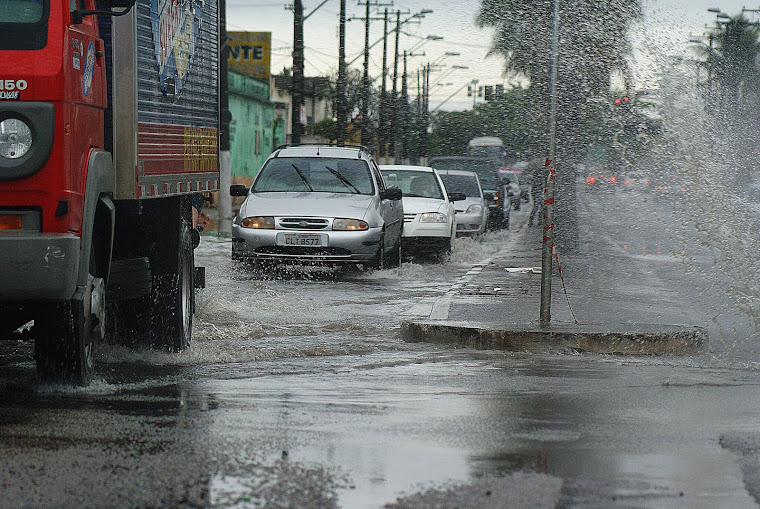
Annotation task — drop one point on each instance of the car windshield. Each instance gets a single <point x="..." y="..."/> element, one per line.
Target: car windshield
<point x="314" y="174"/>
<point x="414" y="183"/>
<point x="21" y="11"/>
<point x="461" y="183"/>
<point x="484" y="168"/>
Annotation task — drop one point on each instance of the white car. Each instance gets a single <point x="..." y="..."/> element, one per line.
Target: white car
<point x="430" y="223"/>
<point x="472" y="212"/>
<point x="318" y="205"/>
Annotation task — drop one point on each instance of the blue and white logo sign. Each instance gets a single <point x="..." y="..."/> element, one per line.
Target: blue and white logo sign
<point x="176" y="24"/>
<point x="89" y="69"/>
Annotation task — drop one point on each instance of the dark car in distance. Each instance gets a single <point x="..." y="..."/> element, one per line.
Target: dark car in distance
<point x="487" y="169"/>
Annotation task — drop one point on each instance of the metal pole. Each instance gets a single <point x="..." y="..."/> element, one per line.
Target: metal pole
<point x="225" y="169"/>
<point x="383" y="93"/>
<point x="298" y="63"/>
<point x="340" y="107"/>
<point x="548" y="236"/>
<point x="365" y="93"/>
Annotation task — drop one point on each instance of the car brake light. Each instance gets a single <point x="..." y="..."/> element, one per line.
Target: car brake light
<point x="613" y="180"/>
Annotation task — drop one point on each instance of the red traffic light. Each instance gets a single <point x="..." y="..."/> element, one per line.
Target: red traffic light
<point x="622" y="100"/>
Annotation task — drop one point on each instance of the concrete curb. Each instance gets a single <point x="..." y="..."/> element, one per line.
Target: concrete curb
<point x="621" y="339"/>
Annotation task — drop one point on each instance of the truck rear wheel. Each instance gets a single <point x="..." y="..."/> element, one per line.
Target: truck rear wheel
<point x="173" y="296"/>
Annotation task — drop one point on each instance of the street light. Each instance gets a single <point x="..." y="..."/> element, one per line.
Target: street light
<point x="425" y="40"/>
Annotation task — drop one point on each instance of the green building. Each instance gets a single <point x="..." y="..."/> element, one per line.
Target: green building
<point x="252" y="128"/>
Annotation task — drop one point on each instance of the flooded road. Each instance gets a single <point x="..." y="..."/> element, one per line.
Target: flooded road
<point x="298" y="392"/>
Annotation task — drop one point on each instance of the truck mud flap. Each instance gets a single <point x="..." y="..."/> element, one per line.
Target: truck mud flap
<point x="199" y="278"/>
<point x="129" y="279"/>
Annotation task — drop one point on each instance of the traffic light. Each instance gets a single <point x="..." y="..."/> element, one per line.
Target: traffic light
<point x="499" y="92"/>
<point x="488" y="92"/>
<point x="469" y="90"/>
<point x="623" y="100"/>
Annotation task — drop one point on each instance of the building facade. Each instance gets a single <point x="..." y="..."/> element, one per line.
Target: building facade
<point x="252" y="128"/>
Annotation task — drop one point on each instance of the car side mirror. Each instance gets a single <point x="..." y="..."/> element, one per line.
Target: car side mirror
<point x="238" y="190"/>
<point x="391" y="193"/>
<point x="457" y="196"/>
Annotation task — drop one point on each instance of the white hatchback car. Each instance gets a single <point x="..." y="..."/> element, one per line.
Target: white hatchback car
<point x="430" y="223"/>
<point x="472" y="212"/>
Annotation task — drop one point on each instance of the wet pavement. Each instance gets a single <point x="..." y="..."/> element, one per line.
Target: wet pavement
<point x="301" y="392"/>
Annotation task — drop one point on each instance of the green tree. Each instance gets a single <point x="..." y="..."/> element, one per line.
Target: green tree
<point x="593" y="44"/>
<point x="732" y="63"/>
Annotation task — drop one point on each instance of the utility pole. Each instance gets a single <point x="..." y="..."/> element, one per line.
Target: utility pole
<point x="548" y="237"/>
<point x="366" y="124"/>
<point x="383" y="93"/>
<point x="405" y="116"/>
<point x="225" y="170"/>
<point x="365" y="96"/>
<point x="297" y="91"/>
<point x="425" y="106"/>
<point x="297" y="87"/>
<point x="340" y="113"/>
<point x="394" y="96"/>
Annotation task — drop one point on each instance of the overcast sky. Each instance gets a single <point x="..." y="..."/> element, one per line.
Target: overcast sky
<point x="665" y="30"/>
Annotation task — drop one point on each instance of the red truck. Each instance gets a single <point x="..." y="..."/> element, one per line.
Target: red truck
<point x="109" y="121"/>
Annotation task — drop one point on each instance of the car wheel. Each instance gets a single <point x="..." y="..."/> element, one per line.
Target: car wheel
<point x="378" y="262"/>
<point x="394" y="260"/>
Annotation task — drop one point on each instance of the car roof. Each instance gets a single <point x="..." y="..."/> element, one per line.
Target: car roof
<point x="327" y="151"/>
<point x="460" y="158"/>
<point x="405" y="167"/>
<point x="458" y="172"/>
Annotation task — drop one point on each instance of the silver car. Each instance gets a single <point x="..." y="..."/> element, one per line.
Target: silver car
<point x="319" y="205"/>
<point x="472" y="212"/>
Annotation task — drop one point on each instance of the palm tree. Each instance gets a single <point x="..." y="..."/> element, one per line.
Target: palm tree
<point x="733" y="64"/>
<point x="592" y="40"/>
<point x="592" y="44"/>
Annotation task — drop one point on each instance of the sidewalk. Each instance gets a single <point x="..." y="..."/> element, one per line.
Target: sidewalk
<point x="497" y="306"/>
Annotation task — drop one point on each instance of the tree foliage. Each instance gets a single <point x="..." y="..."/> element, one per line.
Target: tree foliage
<point x="513" y="119"/>
<point x="593" y="44"/>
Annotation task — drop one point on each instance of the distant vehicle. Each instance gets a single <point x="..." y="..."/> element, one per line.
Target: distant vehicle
<point x="512" y="188"/>
<point x="521" y="168"/>
<point x="637" y="181"/>
<point x="487" y="170"/>
<point x="487" y="146"/>
<point x="601" y="180"/>
<point x="319" y="205"/>
<point x="472" y="212"/>
<point x="430" y="223"/>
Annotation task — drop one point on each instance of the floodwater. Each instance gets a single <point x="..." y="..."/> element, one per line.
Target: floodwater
<point x="298" y="392"/>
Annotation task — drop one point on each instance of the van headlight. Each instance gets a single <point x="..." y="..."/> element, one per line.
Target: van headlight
<point x="15" y="138"/>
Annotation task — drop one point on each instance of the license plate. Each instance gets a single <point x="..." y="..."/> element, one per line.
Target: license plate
<point x="302" y="240"/>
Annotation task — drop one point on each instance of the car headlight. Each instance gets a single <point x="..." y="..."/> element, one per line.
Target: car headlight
<point x="258" y="223"/>
<point x="15" y="138"/>
<point x="349" y="225"/>
<point x="432" y="217"/>
<point x="475" y="208"/>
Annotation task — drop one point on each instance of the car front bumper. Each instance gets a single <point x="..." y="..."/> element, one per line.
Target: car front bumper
<point x="337" y="247"/>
